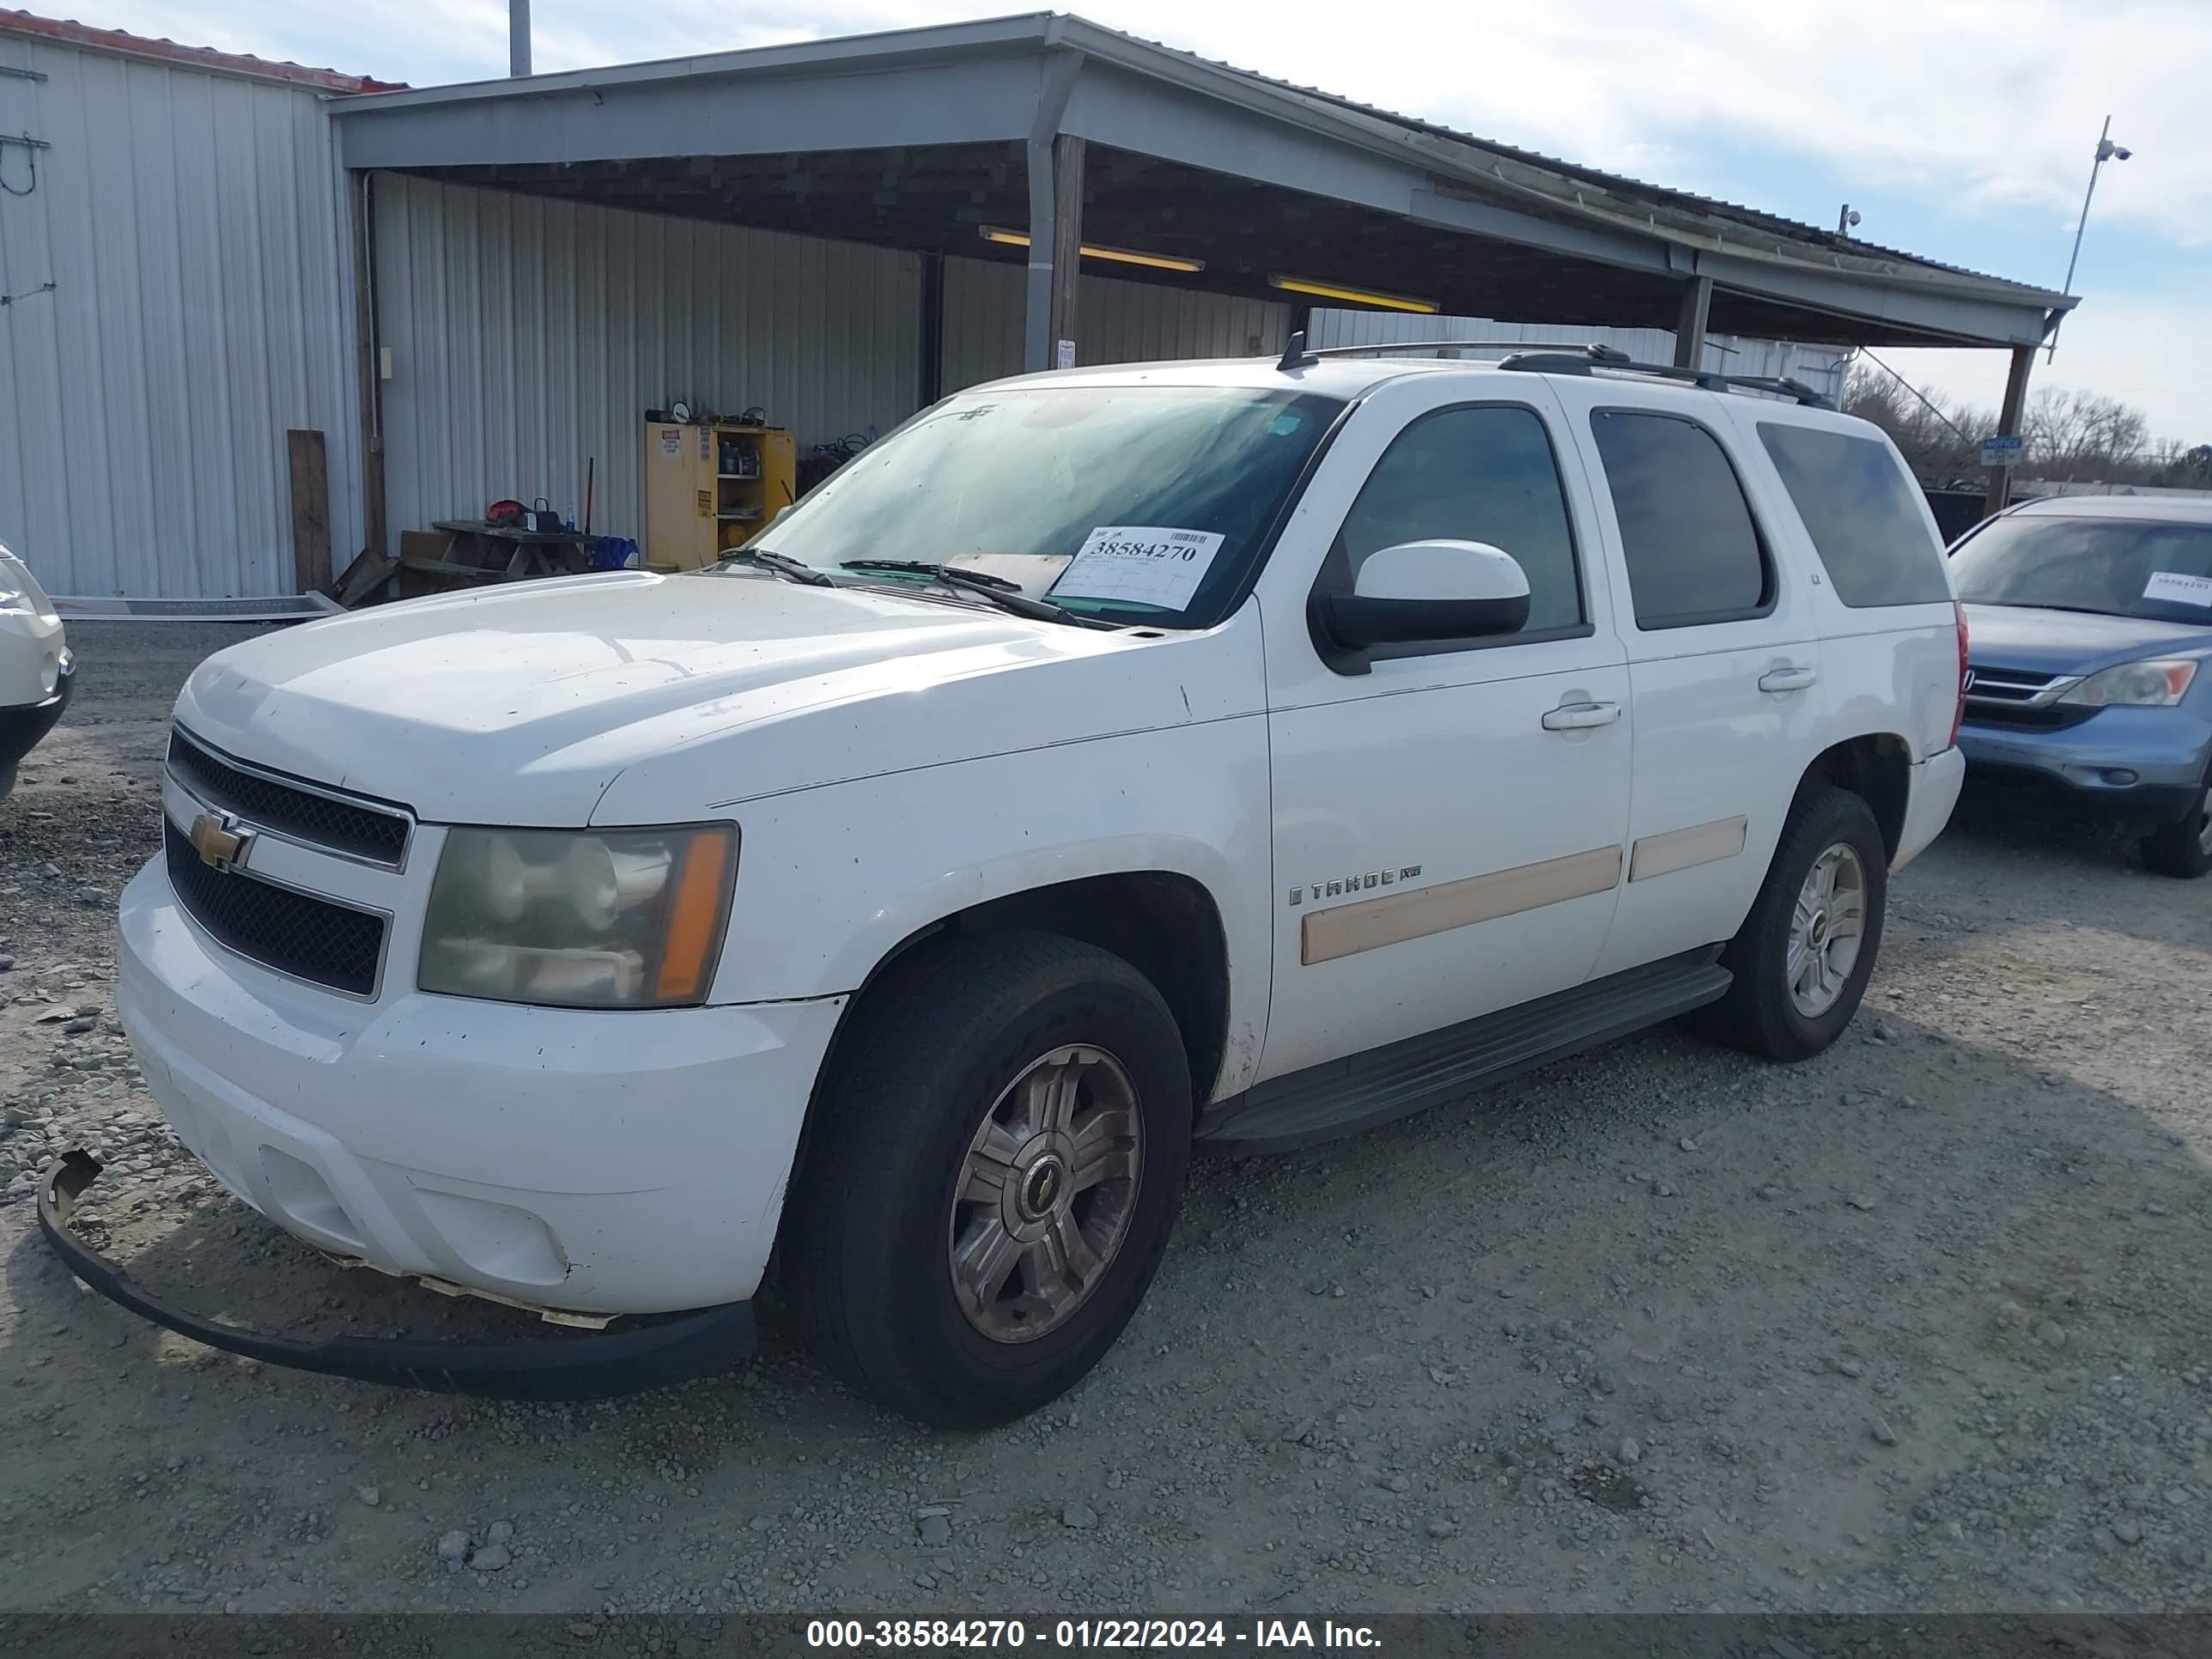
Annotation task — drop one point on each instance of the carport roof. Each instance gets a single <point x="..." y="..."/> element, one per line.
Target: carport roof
<point x="915" y="138"/>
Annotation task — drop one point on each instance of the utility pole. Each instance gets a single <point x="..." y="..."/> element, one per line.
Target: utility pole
<point x="2106" y="151"/>
<point x="518" y="38"/>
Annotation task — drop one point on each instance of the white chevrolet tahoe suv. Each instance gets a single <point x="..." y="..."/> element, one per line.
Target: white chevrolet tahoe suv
<point x="1108" y="761"/>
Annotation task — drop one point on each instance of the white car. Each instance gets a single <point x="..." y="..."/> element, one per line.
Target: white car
<point x="1110" y="761"/>
<point x="34" y="665"/>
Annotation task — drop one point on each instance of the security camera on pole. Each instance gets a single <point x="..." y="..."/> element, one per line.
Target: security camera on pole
<point x="2106" y="151"/>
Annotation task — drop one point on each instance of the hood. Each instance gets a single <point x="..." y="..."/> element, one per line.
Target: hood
<point x="2043" y="641"/>
<point x="523" y="705"/>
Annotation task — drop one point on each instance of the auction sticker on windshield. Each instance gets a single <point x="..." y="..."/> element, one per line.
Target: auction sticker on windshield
<point x="2177" y="589"/>
<point x="1140" y="564"/>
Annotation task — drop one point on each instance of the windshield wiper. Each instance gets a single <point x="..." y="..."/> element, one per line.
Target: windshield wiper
<point x="923" y="567"/>
<point x="1006" y="595"/>
<point x="791" y="569"/>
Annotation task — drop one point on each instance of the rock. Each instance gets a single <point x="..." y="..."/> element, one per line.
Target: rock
<point x="368" y="1495"/>
<point x="1399" y="1483"/>
<point x="1662" y="1189"/>
<point x="765" y="1523"/>
<point x="2051" y="1333"/>
<point x="1770" y="1192"/>
<point x="1861" y="1200"/>
<point x="1442" y="1528"/>
<point x="1302" y="1430"/>
<point x="934" y="1531"/>
<point x="1081" y="1516"/>
<point x="2128" y="1532"/>
<point x="79" y="1026"/>
<point x="91" y="896"/>
<point x="492" y="1558"/>
<point x="1632" y="1450"/>
<point x="1849" y="1367"/>
<point x="6" y="961"/>
<point x="1686" y="1144"/>
<point x="453" y="1547"/>
<point x="1597" y="1418"/>
<point x="56" y="1015"/>
<point x="1883" y="1434"/>
<point x="500" y="1532"/>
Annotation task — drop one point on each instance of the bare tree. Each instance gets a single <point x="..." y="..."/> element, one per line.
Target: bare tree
<point x="2071" y="436"/>
<point x="2075" y="435"/>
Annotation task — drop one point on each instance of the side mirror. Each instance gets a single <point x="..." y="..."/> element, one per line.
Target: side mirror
<point x="1433" y="590"/>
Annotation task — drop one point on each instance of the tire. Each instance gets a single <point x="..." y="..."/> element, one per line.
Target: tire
<point x="876" y="1214"/>
<point x="2183" y="849"/>
<point x="1764" y="1012"/>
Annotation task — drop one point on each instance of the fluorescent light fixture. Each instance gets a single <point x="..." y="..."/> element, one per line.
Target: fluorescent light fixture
<point x="1123" y="256"/>
<point x="1350" y="297"/>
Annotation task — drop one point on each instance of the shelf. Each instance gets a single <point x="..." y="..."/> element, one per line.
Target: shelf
<point x="739" y="477"/>
<point x="741" y="518"/>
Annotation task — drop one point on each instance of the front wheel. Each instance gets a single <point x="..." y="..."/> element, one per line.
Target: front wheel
<point x="1804" y="954"/>
<point x="2183" y="849"/>
<point x="998" y="1159"/>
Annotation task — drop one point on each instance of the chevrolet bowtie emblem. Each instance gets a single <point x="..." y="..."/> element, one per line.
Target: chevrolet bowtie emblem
<point x="218" y="840"/>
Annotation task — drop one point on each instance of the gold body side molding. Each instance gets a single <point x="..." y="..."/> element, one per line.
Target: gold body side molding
<point x="1681" y="849"/>
<point x="1348" y="929"/>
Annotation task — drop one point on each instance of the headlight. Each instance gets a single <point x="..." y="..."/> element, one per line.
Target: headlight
<point x="621" y="918"/>
<point x="2155" y="684"/>
<point x="19" y="588"/>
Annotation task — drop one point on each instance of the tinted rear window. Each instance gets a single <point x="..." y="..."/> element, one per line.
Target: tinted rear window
<point x="1863" y="513"/>
<point x="1693" y="553"/>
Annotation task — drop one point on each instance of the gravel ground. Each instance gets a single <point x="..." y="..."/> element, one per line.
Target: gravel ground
<point x="1922" y="1325"/>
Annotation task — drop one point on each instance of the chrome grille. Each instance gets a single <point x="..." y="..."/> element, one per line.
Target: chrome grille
<point x="309" y="939"/>
<point x="354" y="828"/>
<point x="2020" y="698"/>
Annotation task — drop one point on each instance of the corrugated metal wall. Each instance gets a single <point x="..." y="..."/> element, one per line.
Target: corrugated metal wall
<point x="1820" y="367"/>
<point x="528" y="336"/>
<point x="1118" y="322"/>
<point x="193" y="226"/>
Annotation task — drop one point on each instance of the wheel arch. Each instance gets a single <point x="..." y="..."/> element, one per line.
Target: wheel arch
<point x="1877" y="768"/>
<point x="1167" y="924"/>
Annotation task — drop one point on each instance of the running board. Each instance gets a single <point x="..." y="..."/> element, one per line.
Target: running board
<point x="1343" y="1097"/>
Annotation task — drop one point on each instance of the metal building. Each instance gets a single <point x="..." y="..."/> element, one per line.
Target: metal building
<point x="476" y="291"/>
<point x="174" y="264"/>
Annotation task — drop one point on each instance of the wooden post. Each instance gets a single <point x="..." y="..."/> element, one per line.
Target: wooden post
<point x="2008" y="424"/>
<point x="1690" y="327"/>
<point x="311" y="510"/>
<point x="369" y="366"/>
<point x="1066" y="245"/>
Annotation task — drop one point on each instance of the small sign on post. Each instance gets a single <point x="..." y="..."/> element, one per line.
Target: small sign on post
<point x="2001" y="452"/>
<point x="1064" y="355"/>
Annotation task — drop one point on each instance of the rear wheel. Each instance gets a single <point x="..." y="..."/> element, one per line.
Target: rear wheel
<point x="2183" y="849"/>
<point x="1804" y="954"/>
<point x="999" y="1162"/>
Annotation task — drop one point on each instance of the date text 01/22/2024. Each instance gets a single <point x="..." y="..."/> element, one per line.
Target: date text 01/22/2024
<point x="896" y="1634"/>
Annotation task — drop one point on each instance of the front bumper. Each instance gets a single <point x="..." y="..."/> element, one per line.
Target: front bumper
<point x="591" y="1367"/>
<point x="596" y="1163"/>
<point x="2143" y="765"/>
<point x="23" y="725"/>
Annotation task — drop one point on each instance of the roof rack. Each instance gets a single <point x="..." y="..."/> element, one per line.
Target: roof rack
<point x="1570" y="360"/>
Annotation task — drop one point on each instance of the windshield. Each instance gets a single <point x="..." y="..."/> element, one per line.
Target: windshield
<point x="1138" y="504"/>
<point x="2159" y="571"/>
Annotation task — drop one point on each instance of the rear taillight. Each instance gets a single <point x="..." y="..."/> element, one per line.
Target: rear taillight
<point x="1959" y="711"/>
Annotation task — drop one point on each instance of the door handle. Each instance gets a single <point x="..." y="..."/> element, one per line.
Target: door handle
<point x="1581" y="716"/>
<point x="1788" y="679"/>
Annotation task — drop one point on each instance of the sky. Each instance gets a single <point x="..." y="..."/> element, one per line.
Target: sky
<point x="1961" y="131"/>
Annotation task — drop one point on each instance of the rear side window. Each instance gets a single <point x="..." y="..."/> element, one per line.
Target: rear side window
<point x="1693" y="551"/>
<point x="1863" y="514"/>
